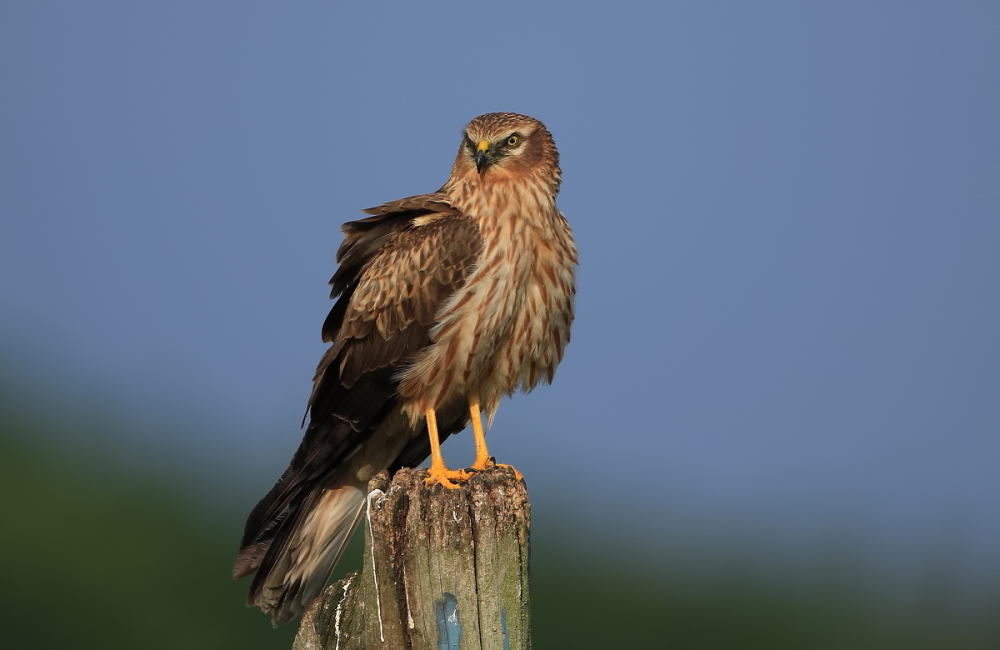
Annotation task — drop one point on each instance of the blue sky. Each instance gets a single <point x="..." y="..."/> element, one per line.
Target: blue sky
<point x="788" y="218"/>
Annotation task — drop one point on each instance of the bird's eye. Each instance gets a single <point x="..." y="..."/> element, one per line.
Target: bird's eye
<point x="513" y="141"/>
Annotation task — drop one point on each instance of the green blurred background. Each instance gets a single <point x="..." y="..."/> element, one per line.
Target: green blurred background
<point x="100" y="551"/>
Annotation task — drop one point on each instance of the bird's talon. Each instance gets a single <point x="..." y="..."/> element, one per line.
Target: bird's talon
<point x="490" y="461"/>
<point x="445" y="477"/>
<point x="517" y="474"/>
<point x="439" y="480"/>
<point x="483" y="464"/>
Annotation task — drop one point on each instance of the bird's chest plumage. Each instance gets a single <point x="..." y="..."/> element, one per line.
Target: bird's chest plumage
<point x="507" y="326"/>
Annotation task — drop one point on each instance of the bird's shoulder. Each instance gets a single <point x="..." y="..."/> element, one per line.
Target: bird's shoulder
<point x="400" y="264"/>
<point x="365" y="238"/>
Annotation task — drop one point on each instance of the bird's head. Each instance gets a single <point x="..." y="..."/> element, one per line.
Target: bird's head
<point x="499" y="146"/>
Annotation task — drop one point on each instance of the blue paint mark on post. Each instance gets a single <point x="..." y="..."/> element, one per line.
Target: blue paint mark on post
<point x="449" y="627"/>
<point x="503" y="628"/>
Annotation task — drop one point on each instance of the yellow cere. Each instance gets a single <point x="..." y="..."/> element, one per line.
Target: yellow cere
<point x="483" y="145"/>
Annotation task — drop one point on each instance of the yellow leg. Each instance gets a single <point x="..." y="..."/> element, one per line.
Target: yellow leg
<point x="483" y="459"/>
<point x="438" y="473"/>
<point x="482" y="456"/>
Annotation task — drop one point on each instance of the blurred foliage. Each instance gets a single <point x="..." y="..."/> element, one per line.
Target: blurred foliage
<point x="92" y="556"/>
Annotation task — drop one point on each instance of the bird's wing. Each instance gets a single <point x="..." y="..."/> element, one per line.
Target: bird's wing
<point x="397" y="267"/>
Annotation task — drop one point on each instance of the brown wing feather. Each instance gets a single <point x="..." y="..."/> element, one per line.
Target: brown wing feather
<point x="394" y="305"/>
<point x="363" y="238"/>
<point x="394" y="276"/>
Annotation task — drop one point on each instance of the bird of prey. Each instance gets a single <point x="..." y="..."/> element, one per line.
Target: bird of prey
<point x="446" y="302"/>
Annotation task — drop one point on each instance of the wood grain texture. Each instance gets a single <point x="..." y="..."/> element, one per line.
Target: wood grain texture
<point x="443" y="569"/>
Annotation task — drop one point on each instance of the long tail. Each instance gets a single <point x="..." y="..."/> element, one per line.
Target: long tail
<point x="293" y="568"/>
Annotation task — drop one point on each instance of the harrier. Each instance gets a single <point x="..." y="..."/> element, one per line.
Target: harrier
<point x="446" y="303"/>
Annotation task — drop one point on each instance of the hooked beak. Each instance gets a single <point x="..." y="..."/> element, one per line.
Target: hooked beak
<point x="482" y="155"/>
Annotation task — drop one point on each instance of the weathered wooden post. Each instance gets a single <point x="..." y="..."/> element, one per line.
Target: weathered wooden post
<point x="443" y="570"/>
